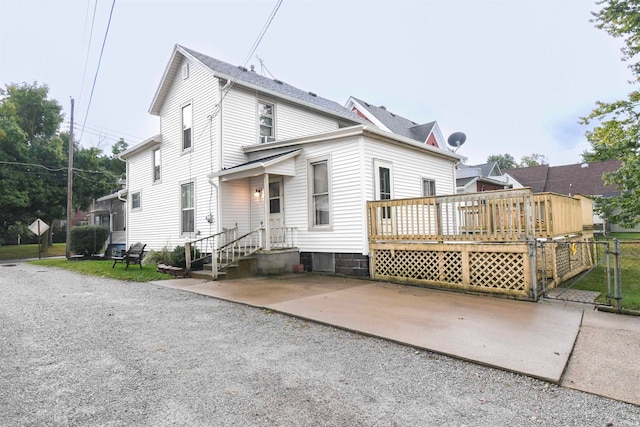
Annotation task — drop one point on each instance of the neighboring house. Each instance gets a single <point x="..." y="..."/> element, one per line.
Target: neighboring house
<point x="236" y="147"/>
<point x="428" y="133"/>
<point x="477" y="178"/>
<point x="582" y="178"/>
<point x="110" y="211"/>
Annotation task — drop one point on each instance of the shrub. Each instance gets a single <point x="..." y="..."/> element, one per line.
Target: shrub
<point x="177" y="258"/>
<point x="88" y="239"/>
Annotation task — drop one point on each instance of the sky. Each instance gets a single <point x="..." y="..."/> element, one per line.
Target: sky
<point x="515" y="76"/>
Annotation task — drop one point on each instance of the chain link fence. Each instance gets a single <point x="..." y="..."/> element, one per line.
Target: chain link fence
<point x="624" y="267"/>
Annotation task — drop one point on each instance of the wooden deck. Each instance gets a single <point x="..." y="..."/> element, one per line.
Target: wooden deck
<point x="484" y="242"/>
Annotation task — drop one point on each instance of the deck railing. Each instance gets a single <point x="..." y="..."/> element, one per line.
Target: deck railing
<point x="505" y="215"/>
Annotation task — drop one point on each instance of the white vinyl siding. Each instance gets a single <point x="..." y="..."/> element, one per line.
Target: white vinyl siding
<point x="158" y="223"/>
<point x="240" y="122"/>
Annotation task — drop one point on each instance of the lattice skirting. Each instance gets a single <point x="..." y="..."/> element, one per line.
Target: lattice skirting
<point x="502" y="269"/>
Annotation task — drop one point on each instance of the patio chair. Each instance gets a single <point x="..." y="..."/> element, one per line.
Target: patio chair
<point x="134" y="255"/>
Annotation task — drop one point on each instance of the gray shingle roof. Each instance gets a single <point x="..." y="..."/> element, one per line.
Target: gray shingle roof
<point x="583" y="178"/>
<point x="398" y="124"/>
<point x="243" y="77"/>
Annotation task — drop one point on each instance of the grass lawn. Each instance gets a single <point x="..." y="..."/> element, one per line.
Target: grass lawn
<point x="103" y="269"/>
<point x="629" y="272"/>
<point x="31" y="251"/>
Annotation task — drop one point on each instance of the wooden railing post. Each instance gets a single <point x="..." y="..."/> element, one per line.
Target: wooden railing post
<point x="187" y="255"/>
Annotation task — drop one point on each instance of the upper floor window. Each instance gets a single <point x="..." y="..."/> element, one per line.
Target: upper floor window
<point x="187" y="120"/>
<point x="156" y="164"/>
<point x="265" y="113"/>
<point x="428" y="187"/>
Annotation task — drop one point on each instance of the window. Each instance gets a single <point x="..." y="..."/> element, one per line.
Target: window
<point x="187" y="208"/>
<point x="265" y="112"/>
<point x="319" y="184"/>
<point x="156" y="164"/>
<point x="135" y="200"/>
<point x="428" y="187"/>
<point x="274" y="197"/>
<point x="186" y="126"/>
<point x="383" y="184"/>
<point x="101" y="220"/>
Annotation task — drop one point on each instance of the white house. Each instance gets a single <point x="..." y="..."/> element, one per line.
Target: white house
<point x="239" y="148"/>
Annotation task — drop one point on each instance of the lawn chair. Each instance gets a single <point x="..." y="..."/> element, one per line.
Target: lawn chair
<point x="134" y="255"/>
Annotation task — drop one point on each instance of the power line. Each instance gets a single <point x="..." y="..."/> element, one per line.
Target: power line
<point x="95" y="77"/>
<point x="254" y="47"/>
<point x="52" y="169"/>
<point x="86" y="60"/>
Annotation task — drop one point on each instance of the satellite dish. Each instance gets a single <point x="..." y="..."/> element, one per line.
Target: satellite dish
<point x="456" y="139"/>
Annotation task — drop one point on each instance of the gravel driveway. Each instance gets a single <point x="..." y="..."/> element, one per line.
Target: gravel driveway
<point x="78" y="350"/>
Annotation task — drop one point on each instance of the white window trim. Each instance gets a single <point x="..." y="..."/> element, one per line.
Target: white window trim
<point x="153" y="165"/>
<point x="377" y="164"/>
<point x="139" y="208"/>
<point x="310" y="207"/>
<point x="180" y="184"/>
<point x="273" y="118"/>
<point x="435" y="185"/>
<point x="182" y="107"/>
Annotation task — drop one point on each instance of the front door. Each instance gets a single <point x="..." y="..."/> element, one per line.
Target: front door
<point x="276" y="210"/>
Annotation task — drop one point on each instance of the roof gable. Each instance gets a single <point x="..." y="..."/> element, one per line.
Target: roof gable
<point x="391" y="122"/>
<point x="246" y="78"/>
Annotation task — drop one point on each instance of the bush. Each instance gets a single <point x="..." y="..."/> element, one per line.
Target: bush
<point x="177" y="258"/>
<point x="88" y="239"/>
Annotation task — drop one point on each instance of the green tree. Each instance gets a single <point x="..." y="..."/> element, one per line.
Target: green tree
<point x="34" y="157"/>
<point x="533" y="159"/>
<point x="616" y="131"/>
<point x="505" y="161"/>
<point x="28" y="126"/>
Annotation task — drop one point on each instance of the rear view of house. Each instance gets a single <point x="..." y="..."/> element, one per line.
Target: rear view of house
<point x="239" y="151"/>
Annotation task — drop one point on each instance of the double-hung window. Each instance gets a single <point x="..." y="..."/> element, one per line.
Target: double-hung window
<point x="187" y="208"/>
<point x="135" y="200"/>
<point x="156" y="165"/>
<point x="265" y="118"/>
<point x="320" y="191"/>
<point x="428" y="187"/>
<point x="187" y="122"/>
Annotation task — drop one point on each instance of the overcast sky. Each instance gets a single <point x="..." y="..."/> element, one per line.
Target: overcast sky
<point x="515" y="76"/>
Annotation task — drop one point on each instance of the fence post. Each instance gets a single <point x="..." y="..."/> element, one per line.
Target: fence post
<point x="617" y="285"/>
<point x="533" y="260"/>
<point x="607" y="260"/>
<point x="214" y="264"/>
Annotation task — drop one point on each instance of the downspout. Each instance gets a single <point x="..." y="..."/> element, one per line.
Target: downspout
<point x="220" y="130"/>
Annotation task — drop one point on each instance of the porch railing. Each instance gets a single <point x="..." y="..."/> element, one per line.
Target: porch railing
<point x="227" y="247"/>
<point x="505" y="215"/>
<point x="204" y="247"/>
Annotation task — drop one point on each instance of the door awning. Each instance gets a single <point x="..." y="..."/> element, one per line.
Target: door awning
<point x="277" y="164"/>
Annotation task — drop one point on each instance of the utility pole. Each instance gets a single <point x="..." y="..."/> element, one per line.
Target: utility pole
<point x="70" y="185"/>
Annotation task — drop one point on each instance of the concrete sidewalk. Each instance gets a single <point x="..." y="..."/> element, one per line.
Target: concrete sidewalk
<point x="599" y="351"/>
